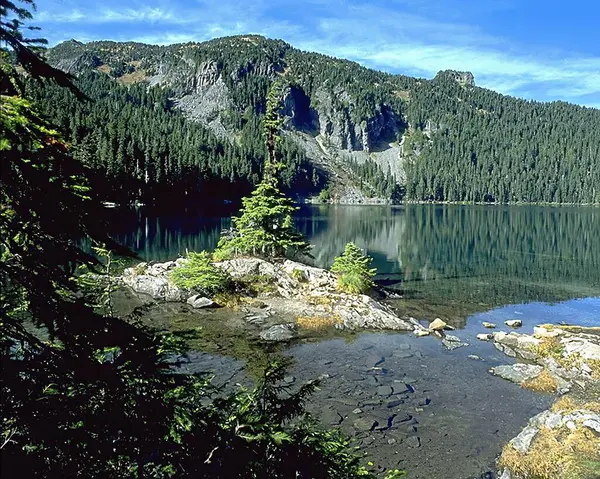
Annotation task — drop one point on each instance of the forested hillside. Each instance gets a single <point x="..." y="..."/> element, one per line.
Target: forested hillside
<point x="184" y="121"/>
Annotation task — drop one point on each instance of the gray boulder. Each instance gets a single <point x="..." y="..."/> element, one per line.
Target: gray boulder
<point x="157" y="288"/>
<point x="279" y="332"/>
<point x="517" y="373"/>
<point x="198" y="301"/>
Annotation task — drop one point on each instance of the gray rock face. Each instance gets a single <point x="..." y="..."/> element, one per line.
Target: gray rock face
<point x="517" y="373"/>
<point x="279" y="332"/>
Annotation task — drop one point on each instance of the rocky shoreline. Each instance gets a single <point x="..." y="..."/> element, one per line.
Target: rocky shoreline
<point x="304" y="296"/>
<point x="563" y="441"/>
<point x="283" y="299"/>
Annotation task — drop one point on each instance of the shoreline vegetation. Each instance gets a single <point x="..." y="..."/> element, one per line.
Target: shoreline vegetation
<point x="317" y="202"/>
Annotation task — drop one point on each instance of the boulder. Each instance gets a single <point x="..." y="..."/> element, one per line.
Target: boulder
<point x="518" y="372"/>
<point x="437" y="325"/>
<point x="279" y="332"/>
<point x="582" y="346"/>
<point x="287" y="286"/>
<point x="157" y="288"/>
<point x="484" y="337"/>
<point x="315" y="277"/>
<point x="421" y="332"/>
<point x="198" y="301"/>
<point x="514" y="323"/>
<point x="370" y="314"/>
<point x="485" y="324"/>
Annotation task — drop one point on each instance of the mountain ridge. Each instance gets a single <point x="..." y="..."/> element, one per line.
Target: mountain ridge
<point x="421" y="135"/>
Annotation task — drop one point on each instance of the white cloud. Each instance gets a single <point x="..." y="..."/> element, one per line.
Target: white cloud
<point x="417" y="37"/>
<point x="110" y="15"/>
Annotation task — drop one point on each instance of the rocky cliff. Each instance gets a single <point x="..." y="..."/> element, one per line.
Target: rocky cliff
<point x="214" y="81"/>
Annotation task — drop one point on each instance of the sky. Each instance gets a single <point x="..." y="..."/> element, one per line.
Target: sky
<point x="535" y="49"/>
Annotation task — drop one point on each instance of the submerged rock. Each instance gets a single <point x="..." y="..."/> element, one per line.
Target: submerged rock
<point x="453" y="342"/>
<point x="279" y="332"/>
<point x="517" y="373"/>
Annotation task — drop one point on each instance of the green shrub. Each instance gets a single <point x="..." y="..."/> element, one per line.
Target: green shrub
<point x="201" y="275"/>
<point x="352" y="270"/>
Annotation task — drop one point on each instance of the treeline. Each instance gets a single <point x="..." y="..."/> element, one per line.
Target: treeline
<point x="139" y="148"/>
<point x="464" y="144"/>
<point x="489" y="147"/>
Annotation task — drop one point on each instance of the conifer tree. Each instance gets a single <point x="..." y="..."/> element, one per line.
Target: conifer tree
<point x="265" y="226"/>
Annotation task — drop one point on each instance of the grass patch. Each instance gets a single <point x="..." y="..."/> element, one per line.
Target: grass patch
<point x="258" y="283"/>
<point x="316" y="323"/>
<point x="555" y="453"/>
<point x="550" y="347"/>
<point x="595" y="365"/>
<point x="543" y="383"/>
<point x="569" y="404"/>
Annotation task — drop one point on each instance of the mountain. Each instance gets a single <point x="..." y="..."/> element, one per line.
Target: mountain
<point x="184" y="120"/>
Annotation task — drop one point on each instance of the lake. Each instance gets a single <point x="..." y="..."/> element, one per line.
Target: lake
<point x="445" y="260"/>
<point x="407" y="402"/>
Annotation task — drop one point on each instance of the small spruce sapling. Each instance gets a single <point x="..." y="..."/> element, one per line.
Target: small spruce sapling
<point x="352" y="270"/>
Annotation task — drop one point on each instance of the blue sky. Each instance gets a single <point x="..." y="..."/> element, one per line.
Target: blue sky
<point x="538" y="49"/>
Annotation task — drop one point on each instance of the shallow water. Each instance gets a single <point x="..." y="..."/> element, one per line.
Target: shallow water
<point x="435" y="413"/>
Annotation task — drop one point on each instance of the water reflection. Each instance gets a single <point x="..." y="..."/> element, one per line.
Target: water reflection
<point x="466" y="258"/>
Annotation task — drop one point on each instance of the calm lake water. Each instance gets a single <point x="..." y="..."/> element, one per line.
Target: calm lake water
<point x="445" y="260"/>
<point x="406" y="401"/>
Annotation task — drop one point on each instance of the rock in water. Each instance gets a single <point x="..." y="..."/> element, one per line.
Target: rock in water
<point x="279" y="332"/>
<point x="517" y="373"/>
<point x="484" y="336"/>
<point x="452" y="342"/>
<point x="198" y="301"/>
<point x="485" y="324"/>
<point x="514" y="323"/>
<point x="421" y="332"/>
<point x="437" y="325"/>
